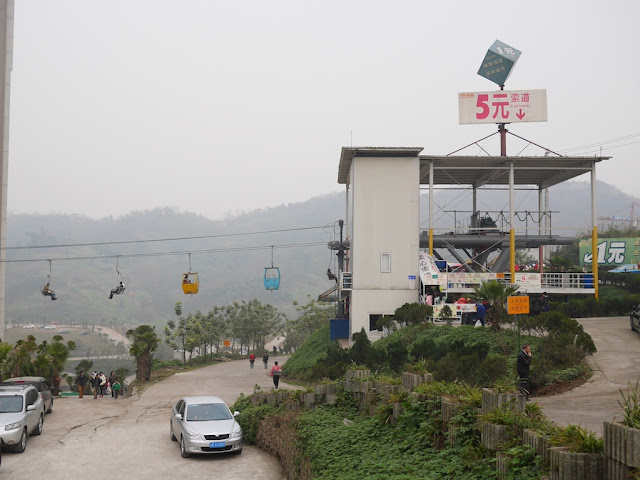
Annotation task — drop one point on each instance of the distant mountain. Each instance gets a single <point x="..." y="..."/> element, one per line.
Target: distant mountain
<point x="237" y="250"/>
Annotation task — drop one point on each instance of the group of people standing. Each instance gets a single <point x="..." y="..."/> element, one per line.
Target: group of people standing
<point x="101" y="384"/>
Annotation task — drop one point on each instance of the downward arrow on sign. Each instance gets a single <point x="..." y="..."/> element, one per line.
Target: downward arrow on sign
<point x="520" y="114"/>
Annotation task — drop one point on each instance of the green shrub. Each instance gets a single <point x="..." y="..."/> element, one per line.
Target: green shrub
<point x="250" y="416"/>
<point x="577" y="439"/>
<point x="631" y="405"/>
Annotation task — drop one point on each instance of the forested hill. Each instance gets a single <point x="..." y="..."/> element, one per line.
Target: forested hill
<point x="232" y="270"/>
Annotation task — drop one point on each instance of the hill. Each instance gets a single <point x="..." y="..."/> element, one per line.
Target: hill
<point x="229" y="254"/>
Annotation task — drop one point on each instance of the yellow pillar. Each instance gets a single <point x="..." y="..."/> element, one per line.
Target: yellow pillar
<point x="512" y="254"/>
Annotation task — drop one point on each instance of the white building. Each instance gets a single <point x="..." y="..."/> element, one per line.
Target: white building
<point x="383" y="190"/>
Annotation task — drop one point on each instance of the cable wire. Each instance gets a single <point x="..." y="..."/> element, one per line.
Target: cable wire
<point x="173" y="239"/>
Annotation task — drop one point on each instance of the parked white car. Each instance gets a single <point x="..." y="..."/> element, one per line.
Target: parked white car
<point x="50" y="327"/>
<point x="205" y="425"/>
<point x="31" y="325"/>
<point x="21" y="415"/>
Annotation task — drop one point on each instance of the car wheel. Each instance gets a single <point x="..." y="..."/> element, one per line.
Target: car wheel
<point x="38" y="430"/>
<point x="183" y="450"/>
<point x="171" y="435"/>
<point x="50" y="407"/>
<point x="21" y="446"/>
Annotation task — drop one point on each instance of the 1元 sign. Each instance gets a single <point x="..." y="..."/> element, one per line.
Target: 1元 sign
<point x="517" y="305"/>
<point x="502" y="106"/>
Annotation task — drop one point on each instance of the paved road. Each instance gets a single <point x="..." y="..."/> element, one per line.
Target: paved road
<point x="132" y="434"/>
<point x="615" y="364"/>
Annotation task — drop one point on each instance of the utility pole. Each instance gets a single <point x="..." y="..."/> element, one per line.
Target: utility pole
<point x="341" y="247"/>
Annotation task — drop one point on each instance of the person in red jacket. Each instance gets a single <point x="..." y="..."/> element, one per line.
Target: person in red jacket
<point x="276" y="371"/>
<point x="252" y="359"/>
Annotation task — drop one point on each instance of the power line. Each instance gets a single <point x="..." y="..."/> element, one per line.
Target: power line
<point x="173" y="239"/>
<point x="604" y="142"/>
<point x="161" y="254"/>
<point x="609" y="148"/>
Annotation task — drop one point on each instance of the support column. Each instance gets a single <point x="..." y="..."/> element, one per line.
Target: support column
<point x="594" y="234"/>
<point x="6" y="64"/>
<point x="431" y="207"/>
<point x="512" y="217"/>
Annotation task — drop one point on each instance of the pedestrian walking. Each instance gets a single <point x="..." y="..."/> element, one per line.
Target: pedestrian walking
<point x="116" y="389"/>
<point x="95" y="384"/>
<point x="265" y="359"/>
<point x="103" y="384"/>
<point x="480" y="313"/>
<point x="275" y="351"/>
<point x="112" y="379"/>
<point x="276" y="371"/>
<point x="524" y="361"/>
<point x="82" y="381"/>
<point x="252" y="359"/>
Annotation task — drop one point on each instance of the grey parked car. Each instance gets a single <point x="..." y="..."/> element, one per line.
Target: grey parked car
<point x="204" y="424"/>
<point x="46" y="392"/>
<point x="21" y="414"/>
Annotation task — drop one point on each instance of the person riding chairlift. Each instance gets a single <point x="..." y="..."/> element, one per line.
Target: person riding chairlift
<point x="47" y="292"/>
<point x="116" y="291"/>
<point x="331" y="275"/>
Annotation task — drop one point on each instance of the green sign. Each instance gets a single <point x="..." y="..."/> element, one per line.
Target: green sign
<point x="611" y="251"/>
<point x="498" y="62"/>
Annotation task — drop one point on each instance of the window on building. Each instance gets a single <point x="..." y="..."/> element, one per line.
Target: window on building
<point x="373" y="319"/>
<point x="385" y="262"/>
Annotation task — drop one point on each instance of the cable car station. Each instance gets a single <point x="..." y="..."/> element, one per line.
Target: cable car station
<point x="385" y="238"/>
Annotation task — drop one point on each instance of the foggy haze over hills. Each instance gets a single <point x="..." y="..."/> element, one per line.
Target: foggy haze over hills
<point x="229" y="255"/>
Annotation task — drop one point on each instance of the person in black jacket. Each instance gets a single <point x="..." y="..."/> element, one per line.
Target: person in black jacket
<point x="524" y="361"/>
<point x="82" y="381"/>
<point x="95" y="383"/>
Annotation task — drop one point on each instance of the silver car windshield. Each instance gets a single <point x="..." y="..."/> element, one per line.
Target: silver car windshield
<point x="208" y="411"/>
<point x="11" y="404"/>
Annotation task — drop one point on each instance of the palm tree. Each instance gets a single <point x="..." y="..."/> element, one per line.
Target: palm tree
<point x="144" y="342"/>
<point x="59" y="353"/>
<point x="18" y="361"/>
<point x="496" y="294"/>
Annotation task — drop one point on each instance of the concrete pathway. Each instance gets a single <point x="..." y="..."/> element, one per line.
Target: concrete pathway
<point x="614" y="365"/>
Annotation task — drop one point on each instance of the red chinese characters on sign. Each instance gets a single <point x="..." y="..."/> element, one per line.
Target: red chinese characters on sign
<point x="503" y="106"/>
<point x="499" y="104"/>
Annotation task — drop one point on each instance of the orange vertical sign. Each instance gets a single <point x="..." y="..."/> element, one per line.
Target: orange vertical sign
<point x="517" y="305"/>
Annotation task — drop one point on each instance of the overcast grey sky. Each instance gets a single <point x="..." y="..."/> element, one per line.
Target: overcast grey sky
<point x="221" y="107"/>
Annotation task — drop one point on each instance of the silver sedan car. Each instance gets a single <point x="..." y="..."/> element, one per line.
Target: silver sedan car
<point x="21" y="414"/>
<point x="204" y="424"/>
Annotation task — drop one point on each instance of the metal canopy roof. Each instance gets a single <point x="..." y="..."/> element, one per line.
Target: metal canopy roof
<point x="477" y="171"/>
<point x="543" y="172"/>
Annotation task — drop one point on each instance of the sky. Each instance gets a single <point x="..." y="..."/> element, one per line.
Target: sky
<point x="221" y="107"/>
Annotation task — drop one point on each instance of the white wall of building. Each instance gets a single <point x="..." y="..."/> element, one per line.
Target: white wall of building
<point x="384" y="219"/>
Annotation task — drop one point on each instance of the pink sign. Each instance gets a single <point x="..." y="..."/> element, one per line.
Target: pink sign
<point x="502" y="106"/>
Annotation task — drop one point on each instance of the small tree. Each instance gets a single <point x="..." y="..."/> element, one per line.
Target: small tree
<point x="144" y="343"/>
<point x="445" y="313"/>
<point x="496" y="294"/>
<point x="59" y="353"/>
<point x="413" y="313"/>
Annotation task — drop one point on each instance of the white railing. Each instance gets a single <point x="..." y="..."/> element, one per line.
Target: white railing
<point x="525" y="280"/>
